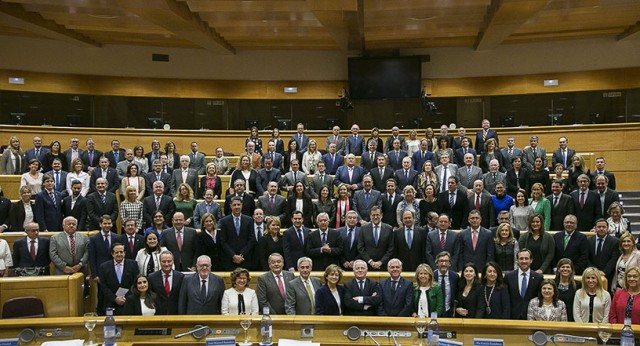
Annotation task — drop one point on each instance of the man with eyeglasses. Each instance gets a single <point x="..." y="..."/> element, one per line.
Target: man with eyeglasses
<point x="572" y="245"/>
<point x="201" y="293"/>
<point x="33" y="250"/>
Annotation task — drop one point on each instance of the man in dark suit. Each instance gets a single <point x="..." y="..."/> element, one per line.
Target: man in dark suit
<point x="266" y="175"/>
<point x="320" y="179"/>
<point x="157" y="201"/>
<point x="237" y="237"/>
<point x="476" y="244"/>
<point x="504" y="217"/>
<point x="454" y="203"/>
<point x="90" y="157"/>
<point x="481" y="200"/>
<point x="603" y="250"/>
<point x="395" y="135"/>
<point x="272" y="286"/>
<point x="606" y="195"/>
<point x="409" y="242"/>
<point x="586" y="204"/>
<point x="115" y="155"/>
<point x="397" y="292"/>
<point x="390" y="201"/>
<point x="201" y="293"/>
<point x="294" y="241"/>
<point x="448" y="280"/>
<point x="483" y="135"/>
<point x="157" y="174"/>
<point x="600" y="163"/>
<point x="184" y="175"/>
<point x="324" y="245"/>
<point x="76" y="205"/>
<point x="301" y="138"/>
<point x="406" y="176"/>
<point x="375" y="242"/>
<point x="33" y="250"/>
<point x="48" y="209"/>
<point x="301" y="290"/>
<point x="155" y="153"/>
<point x="349" y="174"/>
<point x="509" y="152"/>
<point x="523" y="285"/>
<point x="276" y="157"/>
<point x="572" y="245"/>
<point x="59" y="177"/>
<point x="100" y="203"/>
<point x="462" y="135"/>
<point x="563" y="154"/>
<point x="181" y="241"/>
<point x="248" y="204"/>
<point x="462" y="151"/>
<point x="116" y="274"/>
<point x="167" y="284"/>
<point x="37" y="152"/>
<point x="349" y="234"/>
<point x="395" y="156"/>
<point x="72" y="153"/>
<point x="369" y="159"/>
<point x="365" y="199"/>
<point x="442" y="239"/>
<point x="332" y="159"/>
<point x="381" y="174"/>
<point x="561" y="205"/>
<point x="131" y="240"/>
<point x="273" y="204"/>
<point x="100" y="247"/>
<point x="354" y="143"/>
<point x="104" y="171"/>
<point x="421" y="156"/>
<point x="362" y="296"/>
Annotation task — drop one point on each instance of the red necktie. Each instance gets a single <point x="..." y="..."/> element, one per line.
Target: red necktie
<point x="72" y="243"/>
<point x="442" y="240"/>
<point x="581" y="199"/>
<point x="474" y="239"/>
<point x="32" y="250"/>
<point x="281" y="286"/>
<point x="131" y="244"/>
<point x="478" y="202"/>
<point x="179" y="240"/>
<point x="167" y="287"/>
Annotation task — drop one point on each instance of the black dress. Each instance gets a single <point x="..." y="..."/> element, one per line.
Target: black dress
<point x="471" y="301"/>
<point x="425" y="208"/>
<point x="541" y="177"/>
<point x="267" y="246"/>
<point x="48" y="161"/>
<point x="567" y="295"/>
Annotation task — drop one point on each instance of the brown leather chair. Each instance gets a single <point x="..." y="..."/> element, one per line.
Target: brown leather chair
<point x="23" y="307"/>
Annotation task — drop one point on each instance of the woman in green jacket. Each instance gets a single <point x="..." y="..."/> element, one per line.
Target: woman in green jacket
<point x="427" y="295"/>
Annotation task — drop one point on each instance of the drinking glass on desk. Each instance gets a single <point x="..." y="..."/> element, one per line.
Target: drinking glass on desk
<point x="604" y="332"/>
<point x="245" y="323"/>
<point x="421" y="325"/>
<point x="90" y="320"/>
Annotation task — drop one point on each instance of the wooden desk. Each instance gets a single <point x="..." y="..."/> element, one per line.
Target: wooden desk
<point x="61" y="295"/>
<point x="327" y="329"/>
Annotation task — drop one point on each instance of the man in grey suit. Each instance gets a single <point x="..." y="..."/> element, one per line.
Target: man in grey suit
<point x="445" y="170"/>
<point x="272" y="204"/>
<point x="493" y="177"/>
<point x="320" y="179"/>
<point x="122" y="166"/>
<point x="181" y="241"/>
<point x="469" y="173"/>
<point x="532" y="152"/>
<point x="201" y="293"/>
<point x="369" y="159"/>
<point x="266" y="175"/>
<point x="292" y="177"/>
<point x="72" y="153"/>
<point x="206" y="206"/>
<point x="272" y="286"/>
<point x="476" y="243"/>
<point x="365" y="199"/>
<point x="196" y="159"/>
<point x="68" y="250"/>
<point x="336" y="139"/>
<point x="442" y="239"/>
<point x="184" y="175"/>
<point x="375" y="241"/>
<point x="509" y="152"/>
<point x="561" y="205"/>
<point x="301" y="291"/>
<point x="481" y="200"/>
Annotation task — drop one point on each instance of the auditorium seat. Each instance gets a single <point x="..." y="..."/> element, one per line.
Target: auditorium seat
<point x="23" y="307"/>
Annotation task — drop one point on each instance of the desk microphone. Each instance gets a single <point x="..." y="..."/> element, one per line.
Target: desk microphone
<point x="366" y="333"/>
<point x="198" y="332"/>
<point x="539" y="338"/>
<point x="393" y="337"/>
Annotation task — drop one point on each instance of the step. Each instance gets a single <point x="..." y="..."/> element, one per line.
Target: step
<point x="630" y="193"/>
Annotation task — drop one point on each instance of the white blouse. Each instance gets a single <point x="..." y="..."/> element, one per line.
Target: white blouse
<point x="230" y="301"/>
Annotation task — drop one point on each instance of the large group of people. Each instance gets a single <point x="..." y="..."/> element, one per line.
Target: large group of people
<point x="399" y="209"/>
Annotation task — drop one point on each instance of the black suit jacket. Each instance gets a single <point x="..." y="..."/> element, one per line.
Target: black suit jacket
<point x="433" y="247"/>
<point x="17" y="215"/>
<point x="109" y="283"/>
<point x="165" y="178"/>
<point x="166" y="305"/>
<point x="186" y="257"/>
<point x="22" y="257"/>
<point x="577" y="250"/>
<point x="293" y="250"/>
<point x="95" y="209"/>
<point x="48" y="213"/>
<point x="389" y="209"/>
<point x="99" y="252"/>
<point x="79" y="211"/>
<point x="413" y="256"/>
<point x="398" y="303"/>
<point x="459" y="212"/>
<point x="518" y="305"/>
<point x="349" y="250"/>
<point x="565" y="207"/>
<point x="313" y="249"/>
<point x="234" y="244"/>
<point x="512" y="181"/>
<point x="113" y="181"/>
<point x="138" y="243"/>
<point x="90" y="162"/>
<point x="589" y="213"/>
<point x="248" y="204"/>
<point x="149" y="207"/>
<point x="607" y="258"/>
<point x="367" y="248"/>
<point x="611" y="176"/>
<point x="371" y="296"/>
<point x="380" y="182"/>
<point x="112" y="162"/>
<point x="206" y="245"/>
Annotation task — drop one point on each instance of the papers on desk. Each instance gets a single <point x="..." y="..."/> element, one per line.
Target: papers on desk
<point x="121" y="292"/>
<point x="291" y="342"/>
<point x="75" y="342"/>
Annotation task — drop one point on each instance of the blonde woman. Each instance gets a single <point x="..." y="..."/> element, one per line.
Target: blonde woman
<point x="629" y="257"/>
<point x="13" y="160"/>
<point x="185" y="203"/>
<point x="617" y="224"/>
<point x="412" y="143"/>
<point x="131" y="207"/>
<point x="311" y="158"/>
<point x="427" y="295"/>
<point x="592" y="302"/>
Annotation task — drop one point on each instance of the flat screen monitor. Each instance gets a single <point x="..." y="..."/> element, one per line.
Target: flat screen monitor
<point x="385" y="78"/>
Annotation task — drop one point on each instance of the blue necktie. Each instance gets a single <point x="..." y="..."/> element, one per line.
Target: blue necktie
<point x="119" y="272"/>
<point x="375" y="235"/>
<point x="237" y="226"/>
<point x="409" y="238"/>
<point x="300" y="237"/>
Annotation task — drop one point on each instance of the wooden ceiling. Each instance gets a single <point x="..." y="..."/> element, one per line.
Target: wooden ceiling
<point x="226" y="27"/>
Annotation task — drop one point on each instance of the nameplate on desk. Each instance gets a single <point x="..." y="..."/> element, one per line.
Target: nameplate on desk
<point x="9" y="342"/>
<point x="449" y="343"/>
<point x="225" y="341"/>
<point x="488" y="342"/>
